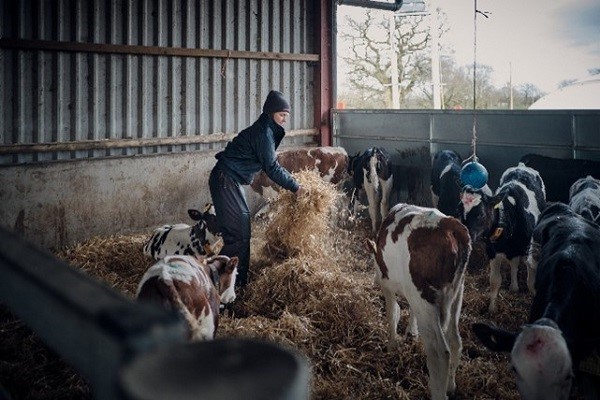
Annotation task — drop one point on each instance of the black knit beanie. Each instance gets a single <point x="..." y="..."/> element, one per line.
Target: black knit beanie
<point x="275" y="103"/>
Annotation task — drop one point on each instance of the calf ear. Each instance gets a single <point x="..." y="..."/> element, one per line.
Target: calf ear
<point x="232" y="264"/>
<point x="195" y="214"/>
<point x="493" y="338"/>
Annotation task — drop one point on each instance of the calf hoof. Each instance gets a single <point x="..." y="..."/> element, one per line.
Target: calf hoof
<point x="514" y="289"/>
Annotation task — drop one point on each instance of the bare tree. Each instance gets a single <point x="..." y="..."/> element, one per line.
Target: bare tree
<point x="365" y="50"/>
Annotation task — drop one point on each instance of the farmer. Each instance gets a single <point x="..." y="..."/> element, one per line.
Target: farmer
<point x="252" y="150"/>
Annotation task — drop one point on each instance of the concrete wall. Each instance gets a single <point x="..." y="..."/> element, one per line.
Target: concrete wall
<point x="59" y="204"/>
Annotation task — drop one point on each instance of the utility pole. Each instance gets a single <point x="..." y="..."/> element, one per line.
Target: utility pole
<point x="435" y="55"/>
<point x="510" y="86"/>
<point x="394" y="62"/>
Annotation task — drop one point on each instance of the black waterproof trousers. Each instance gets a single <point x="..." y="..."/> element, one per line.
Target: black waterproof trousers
<point x="233" y="219"/>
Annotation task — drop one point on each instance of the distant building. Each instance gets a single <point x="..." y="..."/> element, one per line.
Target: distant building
<point x="580" y="95"/>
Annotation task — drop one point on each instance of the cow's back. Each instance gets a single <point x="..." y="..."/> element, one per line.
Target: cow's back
<point x="331" y="163"/>
<point x="569" y="255"/>
<point x="559" y="174"/>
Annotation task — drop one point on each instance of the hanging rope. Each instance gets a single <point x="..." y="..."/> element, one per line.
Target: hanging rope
<point x="472" y="173"/>
<point x="474" y="132"/>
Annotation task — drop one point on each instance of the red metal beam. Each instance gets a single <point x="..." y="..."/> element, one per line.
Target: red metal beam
<point x="324" y="73"/>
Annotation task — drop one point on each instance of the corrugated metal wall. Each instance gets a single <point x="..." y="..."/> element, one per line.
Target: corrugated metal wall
<point x="87" y="78"/>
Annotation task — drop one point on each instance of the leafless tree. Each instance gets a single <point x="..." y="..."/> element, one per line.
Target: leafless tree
<point x="365" y="49"/>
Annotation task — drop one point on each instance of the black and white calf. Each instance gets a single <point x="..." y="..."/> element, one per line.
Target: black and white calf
<point x="445" y="182"/>
<point x="422" y="255"/>
<point x="371" y="171"/>
<point x="584" y="198"/>
<point x="564" y="320"/>
<point x="505" y="221"/>
<point x="184" y="239"/>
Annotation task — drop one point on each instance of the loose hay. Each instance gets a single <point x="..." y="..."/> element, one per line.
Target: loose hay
<point x="300" y="223"/>
<point x="317" y="296"/>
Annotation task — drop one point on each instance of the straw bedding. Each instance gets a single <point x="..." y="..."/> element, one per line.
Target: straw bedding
<point x="311" y="287"/>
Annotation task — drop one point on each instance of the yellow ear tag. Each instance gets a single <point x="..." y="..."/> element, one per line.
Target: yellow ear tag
<point x="497" y="234"/>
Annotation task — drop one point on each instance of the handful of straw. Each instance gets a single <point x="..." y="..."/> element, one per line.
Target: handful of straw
<point x="300" y="223"/>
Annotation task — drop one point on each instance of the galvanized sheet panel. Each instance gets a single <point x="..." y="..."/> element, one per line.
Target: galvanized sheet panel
<point x="54" y="97"/>
<point x="503" y="137"/>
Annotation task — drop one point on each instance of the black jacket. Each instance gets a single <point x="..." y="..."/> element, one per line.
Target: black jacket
<point x="253" y="149"/>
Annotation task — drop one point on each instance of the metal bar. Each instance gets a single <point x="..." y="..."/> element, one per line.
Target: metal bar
<point x="434" y="141"/>
<point x="92" y="327"/>
<point x="126" y="143"/>
<point x="98" y="48"/>
<point x="395" y="6"/>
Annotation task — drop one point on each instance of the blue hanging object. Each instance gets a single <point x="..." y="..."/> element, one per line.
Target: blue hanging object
<point x="474" y="174"/>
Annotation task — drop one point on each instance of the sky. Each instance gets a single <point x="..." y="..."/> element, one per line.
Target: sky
<point x="542" y="42"/>
<point x="536" y="41"/>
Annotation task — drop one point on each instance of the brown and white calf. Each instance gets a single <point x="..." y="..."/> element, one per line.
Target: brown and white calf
<point x="195" y="287"/>
<point x="330" y="162"/>
<point x="422" y="254"/>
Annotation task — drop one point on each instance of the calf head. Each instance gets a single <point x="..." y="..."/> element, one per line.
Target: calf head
<point x="223" y="271"/>
<point x="479" y="212"/>
<point x="539" y="356"/>
<point x="207" y="215"/>
<point x="205" y="232"/>
<point x="589" y="182"/>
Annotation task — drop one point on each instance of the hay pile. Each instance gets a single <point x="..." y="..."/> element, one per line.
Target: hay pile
<point x="300" y="224"/>
<point x="312" y="292"/>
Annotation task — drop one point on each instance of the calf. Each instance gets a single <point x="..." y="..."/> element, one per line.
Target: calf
<point x="584" y="198"/>
<point x="564" y="319"/>
<point x="330" y="162"/>
<point x="445" y="181"/>
<point x="199" y="239"/>
<point x="446" y="185"/>
<point x="559" y="174"/>
<point x="193" y="286"/>
<point x="505" y="221"/>
<point x="371" y="171"/>
<point x="422" y="254"/>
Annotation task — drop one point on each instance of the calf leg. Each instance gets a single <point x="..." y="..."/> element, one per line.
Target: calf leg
<point x="436" y="350"/>
<point x="412" y="328"/>
<point x="386" y="190"/>
<point x="392" y="312"/>
<point x="514" y="272"/>
<point x="454" y="341"/>
<point x="495" y="282"/>
<point x="373" y="199"/>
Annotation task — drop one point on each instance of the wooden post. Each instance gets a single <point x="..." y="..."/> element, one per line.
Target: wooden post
<point x="324" y="79"/>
